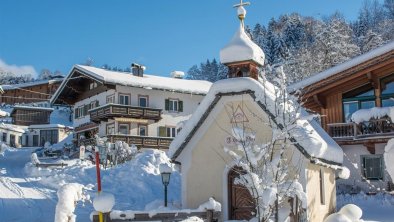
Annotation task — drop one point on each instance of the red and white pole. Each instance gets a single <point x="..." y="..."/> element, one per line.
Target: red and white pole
<point x="98" y="179"/>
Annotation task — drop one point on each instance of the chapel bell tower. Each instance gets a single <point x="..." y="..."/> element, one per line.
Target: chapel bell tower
<point x="241" y="55"/>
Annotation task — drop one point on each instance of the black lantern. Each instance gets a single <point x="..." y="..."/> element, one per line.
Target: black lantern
<point x="165" y="178"/>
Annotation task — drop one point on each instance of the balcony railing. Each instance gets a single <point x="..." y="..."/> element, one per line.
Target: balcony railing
<point x="86" y="142"/>
<point x="109" y="111"/>
<point x="372" y="128"/>
<point x="142" y="141"/>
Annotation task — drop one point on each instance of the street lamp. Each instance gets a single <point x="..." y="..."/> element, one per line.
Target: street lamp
<point x="165" y="172"/>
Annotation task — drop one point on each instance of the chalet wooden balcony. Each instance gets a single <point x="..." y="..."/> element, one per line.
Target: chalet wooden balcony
<point x="365" y="130"/>
<point x="110" y="111"/>
<point x="142" y="141"/>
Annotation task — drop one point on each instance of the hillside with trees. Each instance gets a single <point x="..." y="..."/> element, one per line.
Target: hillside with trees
<point x="307" y="45"/>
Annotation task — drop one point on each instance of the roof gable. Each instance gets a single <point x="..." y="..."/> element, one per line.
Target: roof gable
<point x="317" y="145"/>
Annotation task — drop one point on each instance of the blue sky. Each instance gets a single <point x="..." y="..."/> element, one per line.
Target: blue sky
<point x="162" y="35"/>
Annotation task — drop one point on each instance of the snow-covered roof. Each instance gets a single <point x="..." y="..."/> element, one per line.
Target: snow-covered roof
<point x="342" y="67"/>
<point x="241" y="48"/>
<point x="40" y="126"/>
<point x="147" y="81"/>
<point x="29" y="84"/>
<point x="12" y="127"/>
<point x="310" y="138"/>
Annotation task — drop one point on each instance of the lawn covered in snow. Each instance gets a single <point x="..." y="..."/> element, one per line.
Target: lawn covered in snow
<point x="135" y="184"/>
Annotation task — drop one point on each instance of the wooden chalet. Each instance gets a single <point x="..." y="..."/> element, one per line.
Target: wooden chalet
<point x="31" y="92"/>
<point x="364" y="82"/>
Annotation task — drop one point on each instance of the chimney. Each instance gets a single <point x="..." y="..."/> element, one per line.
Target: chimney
<point x="177" y="74"/>
<point x="137" y="69"/>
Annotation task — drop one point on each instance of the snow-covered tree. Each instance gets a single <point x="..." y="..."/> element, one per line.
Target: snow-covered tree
<point x="370" y="41"/>
<point x="45" y="74"/>
<point x="270" y="171"/>
<point x="210" y="71"/>
<point x="334" y="44"/>
<point x="123" y="152"/>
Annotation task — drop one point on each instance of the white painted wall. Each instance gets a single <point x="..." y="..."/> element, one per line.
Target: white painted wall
<point x="352" y="160"/>
<point x="8" y="132"/>
<point x="156" y="100"/>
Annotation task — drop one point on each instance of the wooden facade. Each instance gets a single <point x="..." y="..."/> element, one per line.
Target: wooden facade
<point x="327" y="97"/>
<point x="26" y="115"/>
<point x="40" y="91"/>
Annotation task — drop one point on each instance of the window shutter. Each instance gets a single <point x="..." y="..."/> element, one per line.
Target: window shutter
<point x="180" y="104"/>
<point x="97" y="103"/>
<point x="76" y="113"/>
<point x="162" y="131"/>
<point x="167" y="104"/>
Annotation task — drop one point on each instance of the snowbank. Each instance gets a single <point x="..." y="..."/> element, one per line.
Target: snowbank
<point x="348" y="213"/>
<point x="389" y="158"/>
<point x="68" y="195"/>
<point x="135" y="184"/>
<point x="377" y="207"/>
<point x="363" y="115"/>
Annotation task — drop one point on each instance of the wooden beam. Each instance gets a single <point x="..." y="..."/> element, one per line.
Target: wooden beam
<point x="373" y="80"/>
<point x="318" y="101"/>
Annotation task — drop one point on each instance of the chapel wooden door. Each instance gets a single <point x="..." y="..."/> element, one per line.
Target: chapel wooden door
<point x="241" y="204"/>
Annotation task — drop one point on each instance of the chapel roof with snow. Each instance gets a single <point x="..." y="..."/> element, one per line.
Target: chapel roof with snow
<point x="241" y="48"/>
<point x="309" y="138"/>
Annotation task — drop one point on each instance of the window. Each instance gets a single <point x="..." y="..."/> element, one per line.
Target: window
<point x="322" y="190"/>
<point x="50" y="136"/>
<point x="372" y="167"/>
<point x="387" y="93"/>
<point x="143" y="101"/>
<point x="124" y="99"/>
<point x="123" y="129"/>
<point x="142" y="130"/>
<point x="173" y="105"/>
<point x="111" y="99"/>
<point x="35" y="140"/>
<point x="5" y="137"/>
<point x="360" y="98"/>
<point x="94" y="104"/>
<point x="110" y="129"/>
<point x="171" y="131"/>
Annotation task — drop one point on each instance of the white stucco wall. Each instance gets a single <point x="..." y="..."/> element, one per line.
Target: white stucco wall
<point x="8" y="133"/>
<point x="352" y="160"/>
<point x="156" y="100"/>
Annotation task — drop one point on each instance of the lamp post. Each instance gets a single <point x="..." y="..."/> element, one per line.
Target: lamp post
<point x="165" y="172"/>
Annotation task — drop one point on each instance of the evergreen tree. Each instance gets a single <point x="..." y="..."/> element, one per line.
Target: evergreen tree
<point x="370" y="41"/>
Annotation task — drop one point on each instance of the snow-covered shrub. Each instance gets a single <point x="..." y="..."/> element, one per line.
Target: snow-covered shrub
<point x="34" y="159"/>
<point x="3" y="147"/>
<point x="123" y="152"/>
<point x="389" y="158"/>
<point x="68" y="196"/>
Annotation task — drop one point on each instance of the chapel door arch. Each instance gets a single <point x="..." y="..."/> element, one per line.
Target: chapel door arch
<point x="241" y="204"/>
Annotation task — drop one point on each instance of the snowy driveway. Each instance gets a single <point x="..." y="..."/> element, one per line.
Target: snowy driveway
<point x="21" y="198"/>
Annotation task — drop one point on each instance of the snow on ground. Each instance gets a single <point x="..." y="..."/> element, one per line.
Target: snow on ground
<point x="377" y="207"/>
<point x="135" y="184"/>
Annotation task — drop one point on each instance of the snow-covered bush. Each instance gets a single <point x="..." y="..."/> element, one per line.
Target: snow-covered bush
<point x="123" y="152"/>
<point x="3" y="147"/>
<point x="68" y="196"/>
<point x="389" y="157"/>
<point x="34" y="159"/>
